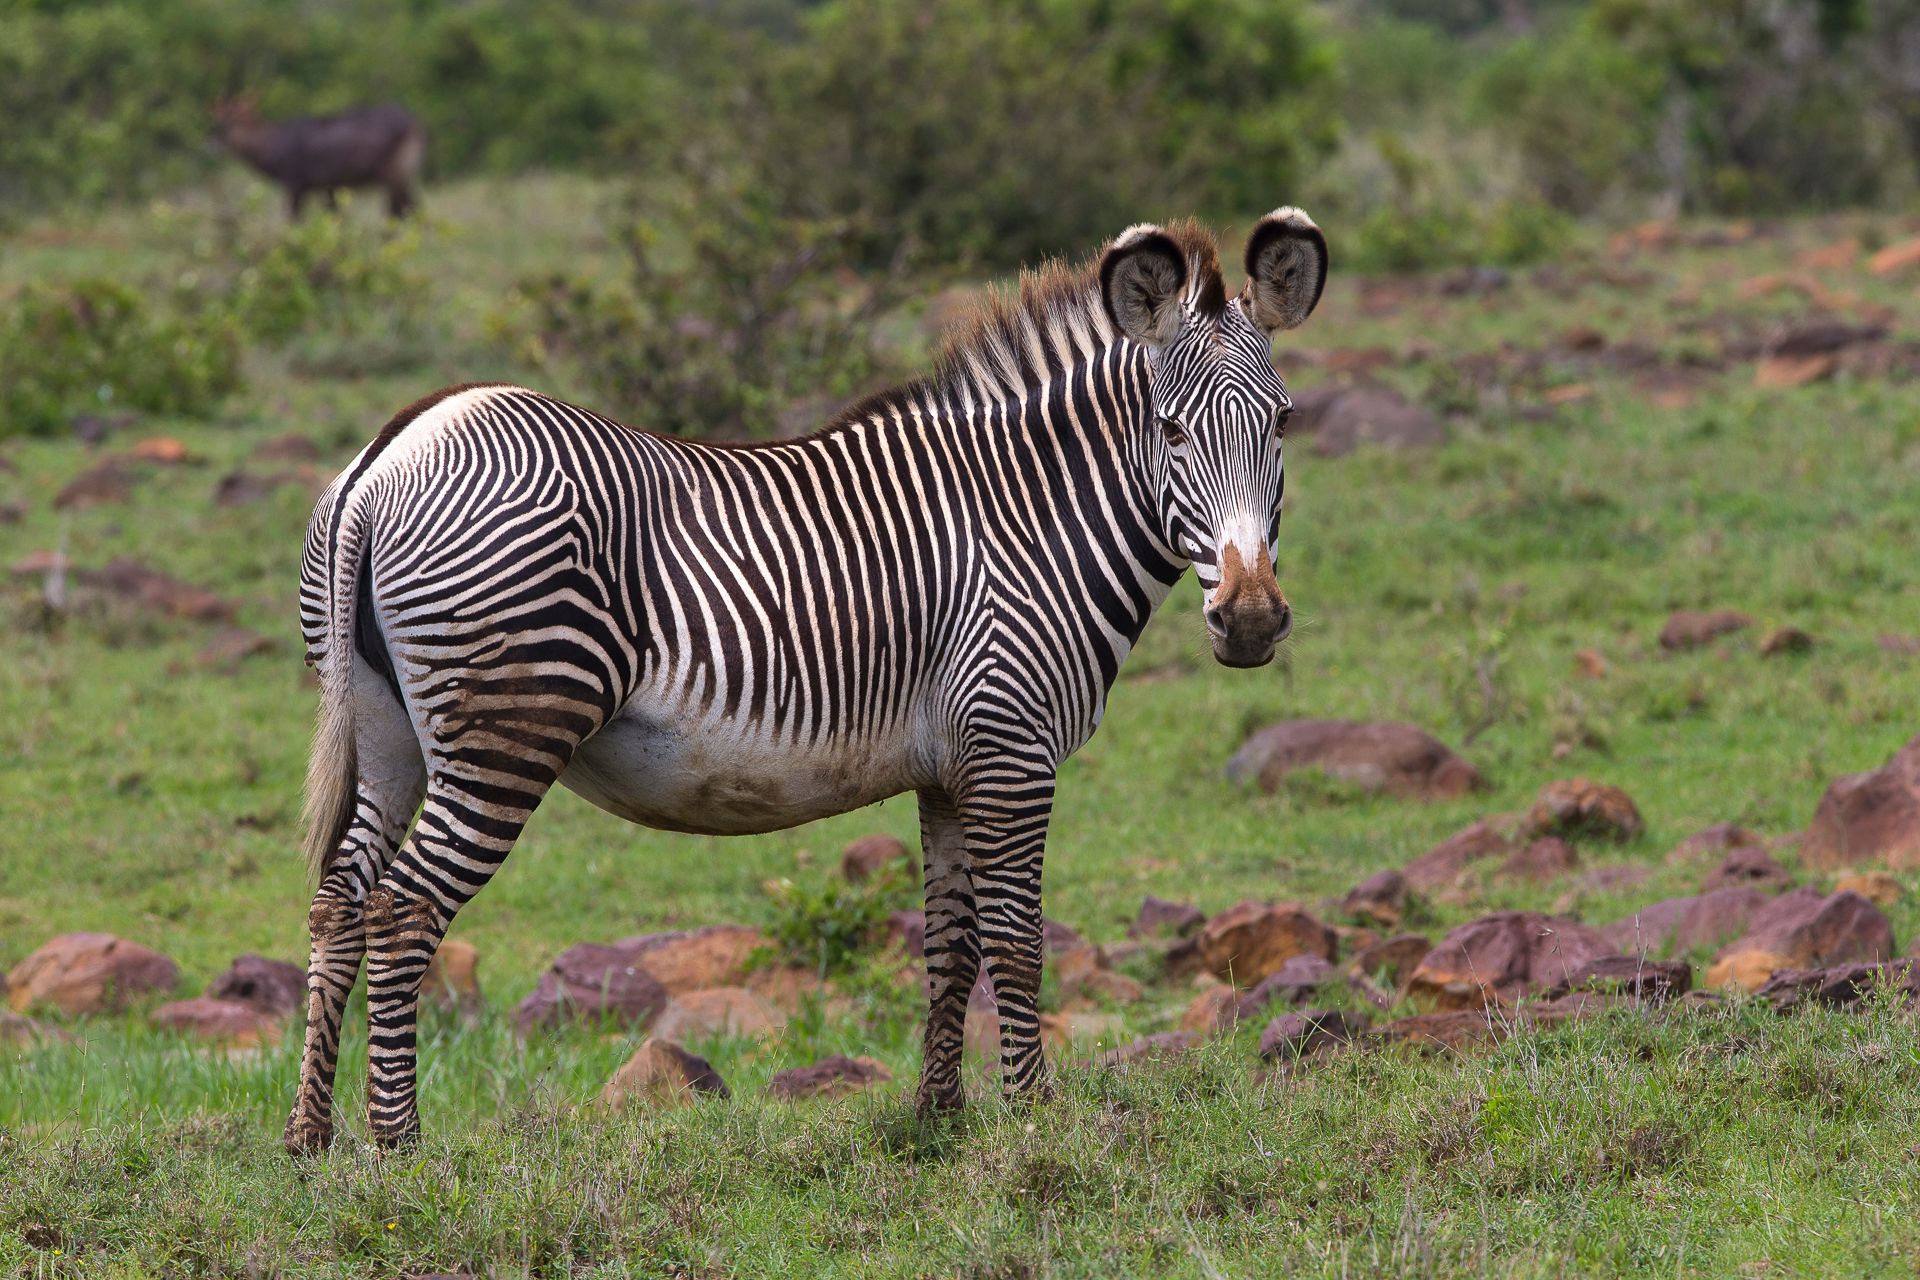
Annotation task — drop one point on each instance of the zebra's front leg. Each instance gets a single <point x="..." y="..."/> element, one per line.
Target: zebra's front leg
<point x="1006" y="818"/>
<point x="952" y="951"/>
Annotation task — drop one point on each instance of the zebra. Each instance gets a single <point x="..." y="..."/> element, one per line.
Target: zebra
<point x="934" y="593"/>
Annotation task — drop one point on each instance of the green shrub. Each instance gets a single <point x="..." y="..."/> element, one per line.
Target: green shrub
<point x="826" y="926"/>
<point x="96" y="343"/>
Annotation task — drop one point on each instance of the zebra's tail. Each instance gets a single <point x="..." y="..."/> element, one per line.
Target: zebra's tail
<point x="333" y="766"/>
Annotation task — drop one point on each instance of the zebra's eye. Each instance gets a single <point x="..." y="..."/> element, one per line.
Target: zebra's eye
<point x="1280" y="421"/>
<point x="1173" y="431"/>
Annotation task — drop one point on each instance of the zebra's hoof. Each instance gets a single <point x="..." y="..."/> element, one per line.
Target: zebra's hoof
<point x="305" y="1137"/>
<point x="931" y="1104"/>
<point x="403" y="1138"/>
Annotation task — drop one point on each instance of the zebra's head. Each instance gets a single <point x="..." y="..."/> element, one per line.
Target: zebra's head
<point x="1219" y="407"/>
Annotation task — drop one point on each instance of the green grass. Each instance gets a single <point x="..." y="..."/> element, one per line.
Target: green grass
<point x="149" y="796"/>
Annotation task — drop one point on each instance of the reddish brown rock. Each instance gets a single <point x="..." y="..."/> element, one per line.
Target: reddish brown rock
<point x="1539" y="861"/>
<point x="592" y="982"/>
<point x="1785" y="640"/>
<point x="1691" y="628"/>
<point x="1747" y="868"/>
<point x="719" y="955"/>
<point x="1160" y="918"/>
<point x="81" y="973"/>
<point x="1849" y="986"/>
<point x="292" y="447"/>
<point x="784" y="986"/>
<point x="1397" y="957"/>
<point x="1650" y="980"/>
<point x="909" y="929"/>
<point x="1803" y="930"/>
<point x="1154" y="1048"/>
<point x="718" y="1011"/>
<point x="232" y="1024"/>
<point x="1718" y="917"/>
<point x="831" y="1077"/>
<point x="231" y="646"/>
<point x="1296" y="982"/>
<point x="1877" y="887"/>
<point x="1212" y="1009"/>
<point x="1379" y="899"/>
<point x="869" y="855"/>
<point x="1057" y="937"/>
<point x="452" y="979"/>
<point x="162" y="450"/>
<point x="107" y="482"/>
<point x="662" y="1074"/>
<point x="17" y="1032"/>
<point x="1341" y="418"/>
<point x="1721" y="838"/>
<point x="1250" y="940"/>
<point x="1869" y="817"/>
<point x="147" y="588"/>
<point x="1297" y="1035"/>
<point x="1590" y="664"/>
<point x="1456" y="1031"/>
<point x="270" y="986"/>
<point x="1440" y="867"/>
<point x="1084" y="973"/>
<point x="1499" y="958"/>
<point x="1396" y="758"/>
<point x="1575" y="808"/>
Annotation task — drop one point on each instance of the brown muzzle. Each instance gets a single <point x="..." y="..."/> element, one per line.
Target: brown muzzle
<point x="1249" y="615"/>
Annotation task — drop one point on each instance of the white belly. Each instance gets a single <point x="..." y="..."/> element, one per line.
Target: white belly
<point x="716" y="777"/>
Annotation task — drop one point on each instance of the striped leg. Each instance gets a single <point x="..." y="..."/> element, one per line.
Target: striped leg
<point x="953" y="951"/>
<point x="1006" y="819"/>
<point x="466" y="829"/>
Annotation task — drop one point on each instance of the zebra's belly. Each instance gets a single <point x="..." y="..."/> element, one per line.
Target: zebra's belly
<point x="713" y="778"/>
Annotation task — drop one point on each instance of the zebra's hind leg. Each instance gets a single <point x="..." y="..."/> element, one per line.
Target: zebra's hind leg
<point x="383" y="806"/>
<point x="1006" y="815"/>
<point x="952" y="951"/>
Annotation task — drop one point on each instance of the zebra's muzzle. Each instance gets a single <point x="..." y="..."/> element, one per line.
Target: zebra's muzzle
<point x="1248" y="616"/>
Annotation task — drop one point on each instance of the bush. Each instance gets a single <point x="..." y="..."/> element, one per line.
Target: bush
<point x="97" y="343"/>
<point x="826" y="926"/>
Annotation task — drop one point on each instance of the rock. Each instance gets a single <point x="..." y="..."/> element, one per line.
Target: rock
<point x="1397" y="957"/>
<point x="162" y="450"/>
<point x="452" y="979"/>
<point x="1574" y="808"/>
<point x="1614" y="878"/>
<point x="1538" y="861"/>
<point x="662" y="1074"/>
<point x="718" y="1011"/>
<point x="1783" y="640"/>
<point x="1296" y="982"/>
<point x="1500" y="957"/>
<point x="1823" y="337"/>
<point x="1590" y="664"/>
<point x="785" y="987"/>
<point x="232" y="1024"/>
<point x="1877" y="887"/>
<point x="292" y="447"/>
<point x="1182" y="959"/>
<point x="109" y="481"/>
<point x="82" y="973"/>
<point x="142" y="585"/>
<point x="909" y="929"/>
<point x="1691" y="628"/>
<point x="592" y="982"/>
<point x="1160" y="918"/>
<point x="1210" y="1011"/>
<point x="1869" y="817"/>
<point x="1250" y="940"/>
<point x="1803" y="930"/>
<point x="1456" y="1031"/>
<point x="1154" y="1048"/>
<point x="17" y="1032"/>
<point x="1084" y="973"/>
<point x="1650" y="980"/>
<point x="1722" y="837"/>
<point x="870" y="855"/>
<point x="1379" y="899"/>
<point x="1785" y="373"/>
<point x="719" y="955"/>
<point x="1440" y="866"/>
<point x="1396" y="758"/>
<point x="1057" y="937"/>
<point x="1749" y="868"/>
<point x="1846" y="987"/>
<point x="244" y="488"/>
<point x="1296" y="1035"/>
<point x="831" y="1077"/>
<point x="269" y="986"/>
<point x="1341" y="418"/>
<point x="1895" y="258"/>
<point x="1681" y="925"/>
<point x="231" y="646"/>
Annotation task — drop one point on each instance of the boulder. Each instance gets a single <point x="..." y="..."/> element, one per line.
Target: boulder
<point x="1084" y="973"/>
<point x="1575" y="808"/>
<point x="1159" y="918"/>
<point x="719" y="955"/>
<point x="1691" y="628"/>
<point x="17" y="1032"/>
<point x="592" y="982"/>
<point x="1396" y="758"/>
<point x="1590" y="664"/>
<point x="1869" y="817"/>
<point x="1877" y="887"/>
<point x="1717" y="917"/>
<point x="662" y="1074"/>
<point x="1785" y="640"/>
<point x="1154" y="1048"/>
<point x="1803" y="930"/>
<point x="270" y="986"/>
<point x="909" y="929"/>
<point x="1650" y="929"/>
<point x="1441" y="866"/>
<point x="1340" y="419"/>
<point x="1650" y="980"/>
<point x="1397" y="957"/>
<point x="452" y="980"/>
<point x="82" y="973"/>
<point x="1539" y="861"/>
<point x="830" y="1077"/>
<point x="1747" y="868"/>
<point x="869" y="855"/>
<point x="784" y="986"/>
<point x="717" y="1011"/>
<point x="232" y="1024"/>
<point x="1848" y="986"/>
<point x="1379" y="899"/>
<point x="1722" y="837"/>
<point x="1453" y="1031"/>
<point x="1251" y="940"/>
<point x="1296" y="982"/>
<point x="1211" y="1010"/>
<point x="1057" y="937"/>
<point x="1501" y="957"/>
<point x="1296" y="1035"/>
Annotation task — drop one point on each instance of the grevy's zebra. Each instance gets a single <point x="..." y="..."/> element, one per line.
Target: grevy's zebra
<point x="933" y="594"/>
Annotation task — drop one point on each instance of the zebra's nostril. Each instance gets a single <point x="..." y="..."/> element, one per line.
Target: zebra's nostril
<point x="1283" y="624"/>
<point x="1216" y="620"/>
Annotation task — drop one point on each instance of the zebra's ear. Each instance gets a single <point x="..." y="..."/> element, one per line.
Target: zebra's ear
<point x="1141" y="277"/>
<point x="1286" y="269"/>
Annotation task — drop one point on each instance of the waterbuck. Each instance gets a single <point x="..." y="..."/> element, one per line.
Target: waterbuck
<point x="366" y="147"/>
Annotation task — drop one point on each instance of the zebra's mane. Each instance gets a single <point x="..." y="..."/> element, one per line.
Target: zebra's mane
<point x="1017" y="337"/>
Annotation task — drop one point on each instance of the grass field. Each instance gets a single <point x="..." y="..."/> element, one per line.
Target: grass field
<point x="149" y="795"/>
